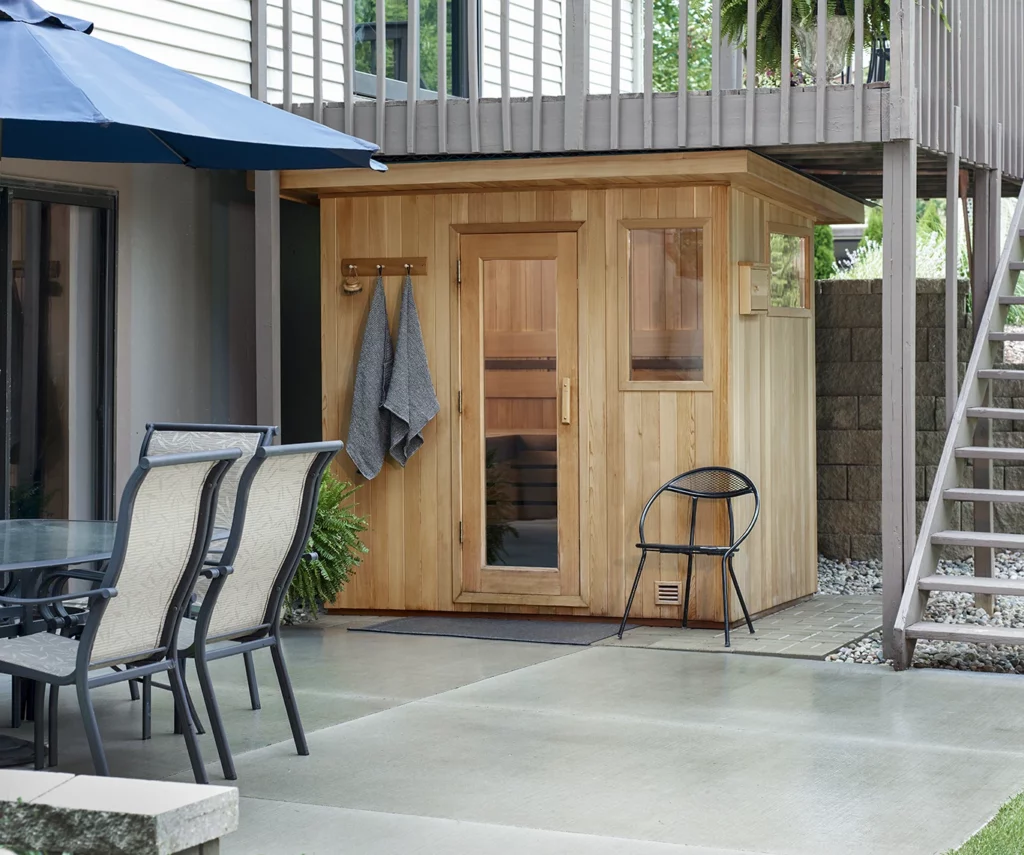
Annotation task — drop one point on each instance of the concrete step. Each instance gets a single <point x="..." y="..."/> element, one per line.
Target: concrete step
<point x="984" y="452"/>
<point x="973" y="585"/>
<point x="995" y="539"/>
<point x="1006" y="336"/>
<point x="1001" y="374"/>
<point x="995" y="413"/>
<point x="966" y="494"/>
<point x="966" y="632"/>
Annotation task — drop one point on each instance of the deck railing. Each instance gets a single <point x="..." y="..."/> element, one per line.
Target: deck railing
<point x="466" y="76"/>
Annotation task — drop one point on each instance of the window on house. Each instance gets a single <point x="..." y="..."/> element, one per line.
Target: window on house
<point x="666" y="304"/>
<point x="791" y="267"/>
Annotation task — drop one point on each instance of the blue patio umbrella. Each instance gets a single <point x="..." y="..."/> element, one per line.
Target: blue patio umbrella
<point x="65" y="95"/>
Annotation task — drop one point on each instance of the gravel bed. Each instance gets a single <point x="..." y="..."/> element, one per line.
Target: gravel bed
<point x="860" y="577"/>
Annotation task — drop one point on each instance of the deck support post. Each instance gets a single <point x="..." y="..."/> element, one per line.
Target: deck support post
<point x="899" y="336"/>
<point x="268" y="298"/>
<point x="987" y="192"/>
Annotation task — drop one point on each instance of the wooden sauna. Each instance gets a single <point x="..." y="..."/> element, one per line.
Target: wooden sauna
<point x="594" y="326"/>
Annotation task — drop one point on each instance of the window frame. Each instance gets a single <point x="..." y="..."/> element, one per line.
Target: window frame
<point x="626" y="383"/>
<point x="792" y="230"/>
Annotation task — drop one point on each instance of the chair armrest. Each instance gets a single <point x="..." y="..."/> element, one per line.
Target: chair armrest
<point x="215" y="572"/>
<point x="105" y="593"/>
<point x="310" y="556"/>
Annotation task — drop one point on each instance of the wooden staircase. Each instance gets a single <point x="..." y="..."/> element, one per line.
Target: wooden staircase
<point x="967" y="440"/>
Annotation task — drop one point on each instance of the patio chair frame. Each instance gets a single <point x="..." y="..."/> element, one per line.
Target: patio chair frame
<point x="726" y="551"/>
<point x="268" y="632"/>
<point x="161" y="659"/>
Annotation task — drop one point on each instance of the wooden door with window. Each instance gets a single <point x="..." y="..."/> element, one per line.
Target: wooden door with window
<point x="520" y="420"/>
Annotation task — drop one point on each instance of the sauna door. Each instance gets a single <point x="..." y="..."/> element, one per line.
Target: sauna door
<point x="520" y="420"/>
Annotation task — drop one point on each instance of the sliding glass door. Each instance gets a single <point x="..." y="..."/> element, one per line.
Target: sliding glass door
<point x="56" y="331"/>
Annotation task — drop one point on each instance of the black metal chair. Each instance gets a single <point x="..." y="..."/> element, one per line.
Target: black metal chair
<point x="710" y="483"/>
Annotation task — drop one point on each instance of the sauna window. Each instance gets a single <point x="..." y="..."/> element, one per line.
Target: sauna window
<point x="790" y="263"/>
<point x="666" y="304"/>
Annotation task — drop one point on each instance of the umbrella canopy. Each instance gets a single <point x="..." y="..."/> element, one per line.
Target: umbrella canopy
<point x="68" y="96"/>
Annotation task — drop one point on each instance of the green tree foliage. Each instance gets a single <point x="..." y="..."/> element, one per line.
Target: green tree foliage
<point x="932" y="218"/>
<point x="873" y="230"/>
<point x="824" y="252"/>
<point x="398" y="10"/>
<point x="788" y="265"/>
<point x="666" y="45"/>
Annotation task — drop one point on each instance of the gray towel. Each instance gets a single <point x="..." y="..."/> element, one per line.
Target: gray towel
<point x="411" y="397"/>
<point x="369" y="429"/>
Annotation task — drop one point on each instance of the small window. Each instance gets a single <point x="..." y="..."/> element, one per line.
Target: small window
<point x="666" y="303"/>
<point x="790" y="263"/>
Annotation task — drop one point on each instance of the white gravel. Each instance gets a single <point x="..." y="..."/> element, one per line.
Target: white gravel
<point x="859" y="577"/>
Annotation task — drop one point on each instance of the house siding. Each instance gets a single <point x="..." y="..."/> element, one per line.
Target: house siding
<point x="208" y="38"/>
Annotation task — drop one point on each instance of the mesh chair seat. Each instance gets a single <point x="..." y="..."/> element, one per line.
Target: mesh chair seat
<point x="42" y="652"/>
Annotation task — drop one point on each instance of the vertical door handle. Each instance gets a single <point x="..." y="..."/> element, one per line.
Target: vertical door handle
<point x="566" y="401"/>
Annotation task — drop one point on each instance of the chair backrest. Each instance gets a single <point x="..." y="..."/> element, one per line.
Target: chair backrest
<point x="714" y="483"/>
<point x="180" y="438"/>
<point x="163" y="532"/>
<point x="277" y="500"/>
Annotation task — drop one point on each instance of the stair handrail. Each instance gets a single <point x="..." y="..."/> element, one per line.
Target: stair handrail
<point x="937" y="516"/>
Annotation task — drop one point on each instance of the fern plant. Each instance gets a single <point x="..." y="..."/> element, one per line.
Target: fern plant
<point x="335" y="540"/>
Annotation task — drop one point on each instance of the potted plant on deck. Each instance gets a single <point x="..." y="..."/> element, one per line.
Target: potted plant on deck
<point x="335" y="541"/>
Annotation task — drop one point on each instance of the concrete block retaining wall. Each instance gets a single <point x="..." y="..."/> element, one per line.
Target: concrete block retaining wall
<point x="849" y="373"/>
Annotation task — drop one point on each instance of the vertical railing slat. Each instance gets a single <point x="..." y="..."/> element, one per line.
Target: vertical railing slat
<point x="683" y="86"/>
<point x="286" y="51"/>
<point x="473" y="72"/>
<point x="952" y="259"/>
<point x="821" y="79"/>
<point x="412" y="65"/>
<point x="538" y="71"/>
<point x="381" y="46"/>
<point x="751" y="93"/>
<point x="648" y="72"/>
<point x="613" y="103"/>
<point x="787" y="69"/>
<point x="577" y="84"/>
<point x="716" y="72"/>
<point x="986" y="52"/>
<point x="348" y="12"/>
<point x="318" y="61"/>
<point x="506" y="84"/>
<point x="442" y="76"/>
<point x="858" y="71"/>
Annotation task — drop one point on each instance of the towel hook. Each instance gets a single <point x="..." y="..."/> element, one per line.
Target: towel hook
<point x="352" y="285"/>
<point x="408" y="269"/>
<point x="380" y="269"/>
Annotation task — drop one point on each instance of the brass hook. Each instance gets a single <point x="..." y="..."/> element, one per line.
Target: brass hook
<point x="352" y="285"/>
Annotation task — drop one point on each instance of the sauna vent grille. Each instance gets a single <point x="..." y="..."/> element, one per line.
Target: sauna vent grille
<point x="668" y="593"/>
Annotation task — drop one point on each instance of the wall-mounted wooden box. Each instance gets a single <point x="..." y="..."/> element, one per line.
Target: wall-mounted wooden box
<point x="755" y="287"/>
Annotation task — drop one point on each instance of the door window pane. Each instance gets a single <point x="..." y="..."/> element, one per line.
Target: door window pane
<point x="790" y="270"/>
<point x="521" y="413"/>
<point x="54" y="450"/>
<point x="666" y="303"/>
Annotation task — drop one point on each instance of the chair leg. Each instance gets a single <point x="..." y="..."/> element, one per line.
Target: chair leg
<point x="15" y="701"/>
<point x="725" y="599"/>
<point x="632" y="593"/>
<point x="147" y="707"/>
<point x="133" y="690"/>
<point x="39" y="727"/>
<point x="220" y="737"/>
<point x="181" y="704"/>
<point x="686" y="598"/>
<point x="250" y="678"/>
<point x="289" y="698"/>
<point x="191" y="705"/>
<point x="92" y="730"/>
<point x="54" y="697"/>
<point x="739" y="595"/>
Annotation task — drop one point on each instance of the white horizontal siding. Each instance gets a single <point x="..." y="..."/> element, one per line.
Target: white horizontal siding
<point x="521" y="47"/>
<point x="332" y="16"/>
<point x="208" y="38"/>
<point x="601" y="46"/>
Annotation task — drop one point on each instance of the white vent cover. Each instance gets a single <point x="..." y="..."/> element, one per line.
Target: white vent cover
<point x="668" y="593"/>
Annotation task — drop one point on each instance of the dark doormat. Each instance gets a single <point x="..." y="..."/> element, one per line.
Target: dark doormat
<point x="537" y="631"/>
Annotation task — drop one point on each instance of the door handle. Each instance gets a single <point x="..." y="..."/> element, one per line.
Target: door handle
<point x="566" y="401"/>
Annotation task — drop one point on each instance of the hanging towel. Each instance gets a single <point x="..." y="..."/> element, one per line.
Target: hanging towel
<point x="410" y="398"/>
<point x="369" y="429"/>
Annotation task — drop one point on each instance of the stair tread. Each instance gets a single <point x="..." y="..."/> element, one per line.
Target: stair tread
<point x="968" y="494"/>
<point x="998" y="539"/>
<point x="984" y="452"/>
<point x="1015" y="300"/>
<point x="994" y="413"/>
<point x="973" y="585"/>
<point x="1006" y="336"/>
<point x="1001" y="374"/>
<point x="976" y="633"/>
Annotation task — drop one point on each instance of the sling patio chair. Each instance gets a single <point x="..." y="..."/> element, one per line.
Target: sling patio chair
<point x="277" y="500"/>
<point x="178" y="437"/>
<point x="707" y="484"/>
<point x="163" y="533"/>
